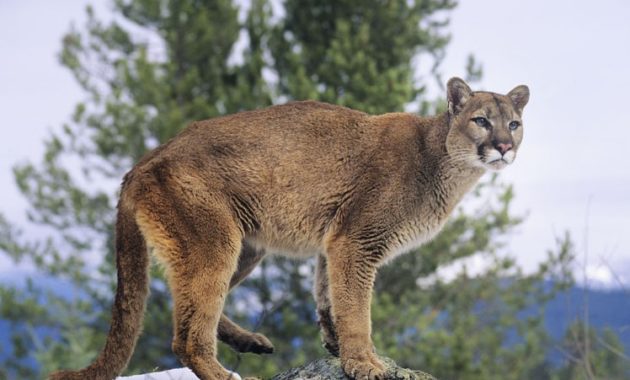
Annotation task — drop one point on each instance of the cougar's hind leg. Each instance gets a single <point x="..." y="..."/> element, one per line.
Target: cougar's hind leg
<point x="199" y="243"/>
<point x="202" y="286"/>
<point x="324" y="314"/>
<point x="243" y="340"/>
<point x="247" y="261"/>
<point x="229" y="332"/>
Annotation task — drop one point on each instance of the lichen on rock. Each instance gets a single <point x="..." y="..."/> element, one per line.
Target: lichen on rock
<point x="330" y="369"/>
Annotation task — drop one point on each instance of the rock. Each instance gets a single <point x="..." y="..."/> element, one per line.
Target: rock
<point x="330" y="369"/>
<point x="322" y="369"/>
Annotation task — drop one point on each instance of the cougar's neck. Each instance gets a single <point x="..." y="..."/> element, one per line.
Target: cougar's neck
<point x="446" y="177"/>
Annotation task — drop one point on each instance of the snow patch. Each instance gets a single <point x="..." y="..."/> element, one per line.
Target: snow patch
<point x="172" y="374"/>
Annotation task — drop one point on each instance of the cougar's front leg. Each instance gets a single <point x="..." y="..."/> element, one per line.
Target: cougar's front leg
<point x="351" y="273"/>
<point x="229" y="332"/>
<point x="324" y="313"/>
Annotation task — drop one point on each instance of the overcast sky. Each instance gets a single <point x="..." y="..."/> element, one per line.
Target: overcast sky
<point x="573" y="169"/>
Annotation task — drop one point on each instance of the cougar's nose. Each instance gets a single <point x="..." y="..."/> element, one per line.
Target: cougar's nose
<point x="503" y="147"/>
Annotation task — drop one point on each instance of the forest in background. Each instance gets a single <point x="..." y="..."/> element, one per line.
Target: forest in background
<point x="158" y="65"/>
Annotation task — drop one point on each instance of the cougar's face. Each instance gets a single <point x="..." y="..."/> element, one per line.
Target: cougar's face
<point x="491" y="129"/>
<point x="486" y="129"/>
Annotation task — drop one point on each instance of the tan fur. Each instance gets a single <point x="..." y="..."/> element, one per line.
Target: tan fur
<point x="301" y="179"/>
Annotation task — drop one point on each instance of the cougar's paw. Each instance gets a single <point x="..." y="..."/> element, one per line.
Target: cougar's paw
<point x="401" y="375"/>
<point x="368" y="367"/>
<point x="255" y="343"/>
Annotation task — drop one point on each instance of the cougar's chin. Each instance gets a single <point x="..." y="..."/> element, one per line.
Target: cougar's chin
<point x="495" y="161"/>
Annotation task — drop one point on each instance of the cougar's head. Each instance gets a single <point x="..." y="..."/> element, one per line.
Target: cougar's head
<point x="485" y="129"/>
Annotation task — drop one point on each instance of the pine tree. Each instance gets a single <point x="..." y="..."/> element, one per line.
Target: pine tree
<point x="592" y="354"/>
<point x="358" y="53"/>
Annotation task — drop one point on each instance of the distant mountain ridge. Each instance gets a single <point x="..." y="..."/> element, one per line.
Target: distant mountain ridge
<point x="603" y="308"/>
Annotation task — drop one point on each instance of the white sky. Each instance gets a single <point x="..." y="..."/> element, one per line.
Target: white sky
<point x="574" y="56"/>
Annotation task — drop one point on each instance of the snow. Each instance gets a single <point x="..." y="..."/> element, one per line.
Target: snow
<point x="171" y="374"/>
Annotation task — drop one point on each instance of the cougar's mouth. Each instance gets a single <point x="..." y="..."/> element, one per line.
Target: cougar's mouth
<point x="496" y="164"/>
<point x="494" y="160"/>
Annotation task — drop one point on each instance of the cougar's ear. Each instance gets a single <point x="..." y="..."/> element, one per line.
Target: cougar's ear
<point x="519" y="96"/>
<point x="457" y="94"/>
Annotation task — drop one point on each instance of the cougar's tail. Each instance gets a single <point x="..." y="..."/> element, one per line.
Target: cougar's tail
<point x="132" y="263"/>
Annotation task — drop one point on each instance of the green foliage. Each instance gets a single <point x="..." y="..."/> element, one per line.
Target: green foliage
<point x="477" y="326"/>
<point x="161" y="64"/>
<point x="592" y="354"/>
<point x="357" y="53"/>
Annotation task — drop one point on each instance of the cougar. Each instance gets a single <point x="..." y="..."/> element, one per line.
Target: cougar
<point x="302" y="179"/>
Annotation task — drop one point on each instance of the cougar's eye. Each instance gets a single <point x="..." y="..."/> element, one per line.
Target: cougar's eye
<point x="513" y="125"/>
<point x="482" y="122"/>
